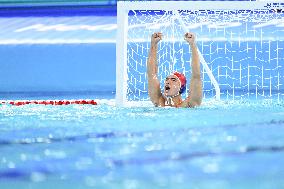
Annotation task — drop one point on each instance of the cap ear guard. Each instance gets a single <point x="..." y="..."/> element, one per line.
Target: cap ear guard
<point x="182" y="80"/>
<point x="182" y="89"/>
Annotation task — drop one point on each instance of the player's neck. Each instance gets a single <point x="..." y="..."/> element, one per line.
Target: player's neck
<point x="173" y="101"/>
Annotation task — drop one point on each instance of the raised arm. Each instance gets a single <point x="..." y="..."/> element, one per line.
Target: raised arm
<point x="195" y="88"/>
<point x="152" y="70"/>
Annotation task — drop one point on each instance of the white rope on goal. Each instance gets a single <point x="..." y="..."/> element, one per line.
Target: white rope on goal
<point x="202" y="60"/>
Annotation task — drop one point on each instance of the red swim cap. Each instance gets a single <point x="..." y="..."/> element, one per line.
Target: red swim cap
<point x="182" y="80"/>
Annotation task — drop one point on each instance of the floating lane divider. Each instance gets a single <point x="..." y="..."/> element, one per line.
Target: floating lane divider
<point x="50" y="102"/>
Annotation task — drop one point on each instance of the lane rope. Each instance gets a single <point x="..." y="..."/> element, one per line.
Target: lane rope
<point x="49" y="102"/>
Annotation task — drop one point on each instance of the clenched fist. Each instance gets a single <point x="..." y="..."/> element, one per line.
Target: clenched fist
<point x="190" y="38"/>
<point x="156" y="37"/>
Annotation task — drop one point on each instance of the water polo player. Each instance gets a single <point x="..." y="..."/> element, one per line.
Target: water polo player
<point x="175" y="84"/>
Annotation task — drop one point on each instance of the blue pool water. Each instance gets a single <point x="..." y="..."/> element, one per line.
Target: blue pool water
<point x="227" y="144"/>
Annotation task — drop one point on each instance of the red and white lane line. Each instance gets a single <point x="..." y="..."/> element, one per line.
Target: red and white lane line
<point x="49" y="102"/>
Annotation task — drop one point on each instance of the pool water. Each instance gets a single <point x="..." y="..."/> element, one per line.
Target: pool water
<point x="226" y="144"/>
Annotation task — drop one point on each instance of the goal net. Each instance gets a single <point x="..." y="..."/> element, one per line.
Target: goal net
<point x="240" y="43"/>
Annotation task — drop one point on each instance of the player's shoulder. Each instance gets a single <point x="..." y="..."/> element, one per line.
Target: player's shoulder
<point x="162" y="101"/>
<point x="185" y="103"/>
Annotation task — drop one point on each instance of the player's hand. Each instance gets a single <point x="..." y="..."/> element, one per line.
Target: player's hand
<point x="190" y="38"/>
<point x="156" y="37"/>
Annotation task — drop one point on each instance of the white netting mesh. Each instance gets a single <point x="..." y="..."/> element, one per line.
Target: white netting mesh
<point x="243" y="49"/>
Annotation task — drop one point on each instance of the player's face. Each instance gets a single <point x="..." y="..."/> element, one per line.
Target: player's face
<point x="172" y="86"/>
